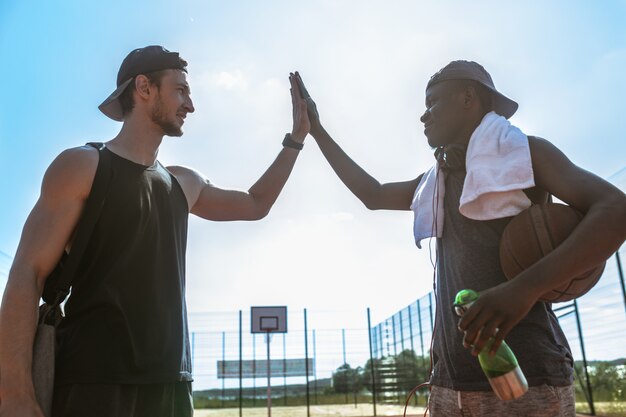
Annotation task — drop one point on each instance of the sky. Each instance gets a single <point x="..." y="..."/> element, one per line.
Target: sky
<point x="366" y="63"/>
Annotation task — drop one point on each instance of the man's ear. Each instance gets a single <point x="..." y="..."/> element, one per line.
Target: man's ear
<point x="142" y="86"/>
<point x="470" y="95"/>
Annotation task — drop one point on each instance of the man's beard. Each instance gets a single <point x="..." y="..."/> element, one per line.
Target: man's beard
<point x="170" y="128"/>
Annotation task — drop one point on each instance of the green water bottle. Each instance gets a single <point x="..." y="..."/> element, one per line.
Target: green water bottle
<point x="504" y="374"/>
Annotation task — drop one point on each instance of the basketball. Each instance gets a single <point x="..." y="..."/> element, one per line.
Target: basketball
<point x="534" y="233"/>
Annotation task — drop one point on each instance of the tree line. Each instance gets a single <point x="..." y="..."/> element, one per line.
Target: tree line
<point x="399" y="374"/>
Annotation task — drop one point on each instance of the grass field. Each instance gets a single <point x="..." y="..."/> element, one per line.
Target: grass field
<point x="603" y="409"/>
<point x="343" y="410"/>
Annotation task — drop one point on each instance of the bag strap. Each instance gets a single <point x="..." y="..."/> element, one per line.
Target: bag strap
<point x="86" y="224"/>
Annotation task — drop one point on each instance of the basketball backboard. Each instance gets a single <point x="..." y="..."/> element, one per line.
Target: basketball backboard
<point x="268" y="319"/>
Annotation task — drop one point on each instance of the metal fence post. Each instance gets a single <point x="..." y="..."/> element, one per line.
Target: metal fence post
<point x="315" y="370"/>
<point x="284" y="369"/>
<point x="582" y="348"/>
<point x="411" y="329"/>
<point x="401" y="331"/>
<point x="223" y="366"/>
<point x="254" y="370"/>
<point x="343" y="347"/>
<point x="240" y="365"/>
<point x="372" y="368"/>
<point x="393" y="332"/>
<point x="306" y="364"/>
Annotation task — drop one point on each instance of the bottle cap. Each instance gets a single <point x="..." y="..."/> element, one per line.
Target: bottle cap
<point x="464" y="299"/>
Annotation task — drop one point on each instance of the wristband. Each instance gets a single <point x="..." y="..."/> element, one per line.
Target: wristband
<point x="290" y="143"/>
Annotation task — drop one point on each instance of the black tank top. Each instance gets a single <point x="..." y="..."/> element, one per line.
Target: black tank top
<point x="126" y="320"/>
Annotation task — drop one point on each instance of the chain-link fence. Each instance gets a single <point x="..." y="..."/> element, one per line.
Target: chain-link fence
<point x="595" y="326"/>
<point x="378" y="364"/>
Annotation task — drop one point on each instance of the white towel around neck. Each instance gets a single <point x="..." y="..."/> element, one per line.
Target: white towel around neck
<point x="498" y="166"/>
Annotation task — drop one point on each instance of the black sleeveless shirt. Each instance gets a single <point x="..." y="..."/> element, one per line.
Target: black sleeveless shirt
<point x="126" y="320"/>
<point x="468" y="257"/>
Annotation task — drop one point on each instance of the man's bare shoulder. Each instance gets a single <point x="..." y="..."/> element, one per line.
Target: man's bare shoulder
<point x="183" y="173"/>
<point x="79" y="156"/>
<point x="180" y="170"/>
<point x="72" y="172"/>
<point x="191" y="181"/>
<point x="542" y="152"/>
<point x="539" y="142"/>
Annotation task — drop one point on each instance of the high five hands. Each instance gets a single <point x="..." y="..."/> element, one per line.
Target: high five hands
<point x="314" y="116"/>
<point x="301" y="123"/>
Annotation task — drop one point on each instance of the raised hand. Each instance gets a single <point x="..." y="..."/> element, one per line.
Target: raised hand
<point x="314" y="116"/>
<point x="301" y="123"/>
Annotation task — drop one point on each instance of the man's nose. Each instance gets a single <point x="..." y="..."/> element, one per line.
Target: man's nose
<point x="425" y="117"/>
<point x="189" y="105"/>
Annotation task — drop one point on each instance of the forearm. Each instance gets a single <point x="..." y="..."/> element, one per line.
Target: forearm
<point x="18" y="321"/>
<point x="267" y="188"/>
<point x="359" y="182"/>
<point x="500" y="308"/>
<point x="596" y="238"/>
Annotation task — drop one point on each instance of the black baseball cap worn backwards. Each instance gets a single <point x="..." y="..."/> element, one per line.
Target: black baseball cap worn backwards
<point x="470" y="70"/>
<point x="139" y="61"/>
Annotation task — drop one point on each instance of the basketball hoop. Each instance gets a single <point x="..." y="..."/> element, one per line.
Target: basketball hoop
<point x="268" y="320"/>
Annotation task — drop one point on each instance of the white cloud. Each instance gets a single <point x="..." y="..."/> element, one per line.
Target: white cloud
<point x="229" y="80"/>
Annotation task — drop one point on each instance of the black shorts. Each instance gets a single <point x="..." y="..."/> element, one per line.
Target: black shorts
<point x="121" y="400"/>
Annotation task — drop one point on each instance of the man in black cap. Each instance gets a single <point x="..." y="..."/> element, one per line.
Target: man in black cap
<point x="123" y="344"/>
<point x="466" y="121"/>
